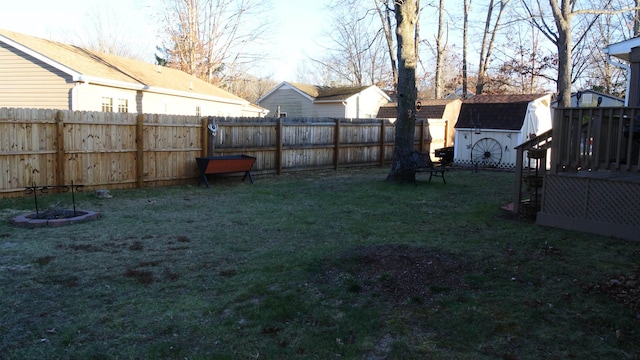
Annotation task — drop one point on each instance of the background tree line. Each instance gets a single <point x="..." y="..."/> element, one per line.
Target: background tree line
<point x="472" y="46"/>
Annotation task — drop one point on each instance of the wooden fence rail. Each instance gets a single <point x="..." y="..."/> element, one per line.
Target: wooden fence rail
<point x="121" y="150"/>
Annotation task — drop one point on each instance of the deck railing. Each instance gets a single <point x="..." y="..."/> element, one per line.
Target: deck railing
<point x="527" y="166"/>
<point x="592" y="139"/>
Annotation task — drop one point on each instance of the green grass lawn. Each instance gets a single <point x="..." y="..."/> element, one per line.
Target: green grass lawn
<point x="314" y="265"/>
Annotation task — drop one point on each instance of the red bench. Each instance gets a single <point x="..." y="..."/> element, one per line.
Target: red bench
<point x="224" y="165"/>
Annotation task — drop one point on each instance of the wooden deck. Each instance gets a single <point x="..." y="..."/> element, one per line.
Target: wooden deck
<point x="593" y="181"/>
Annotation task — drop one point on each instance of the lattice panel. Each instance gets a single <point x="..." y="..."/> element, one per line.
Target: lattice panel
<point x="602" y="200"/>
<point x="614" y="202"/>
<point x="565" y="196"/>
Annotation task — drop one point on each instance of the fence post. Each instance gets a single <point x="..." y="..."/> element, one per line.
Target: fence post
<point x="279" y="146"/>
<point x="205" y="137"/>
<point x="61" y="165"/>
<point x="140" y="151"/>
<point x="422" y="132"/>
<point x="446" y="133"/>
<point x="383" y="140"/>
<point x="336" y="141"/>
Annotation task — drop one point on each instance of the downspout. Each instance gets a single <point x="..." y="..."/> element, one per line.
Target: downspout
<point x="622" y="66"/>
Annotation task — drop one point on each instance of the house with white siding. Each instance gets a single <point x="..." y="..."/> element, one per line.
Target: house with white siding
<point x="39" y="73"/>
<point x="303" y="100"/>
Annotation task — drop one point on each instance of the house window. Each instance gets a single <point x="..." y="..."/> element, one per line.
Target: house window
<point x="107" y="104"/>
<point x="198" y="111"/>
<point x="123" y="105"/>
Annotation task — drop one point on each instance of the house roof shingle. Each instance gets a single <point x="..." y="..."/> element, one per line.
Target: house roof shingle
<point x="329" y="93"/>
<point x="502" y="112"/>
<point x="99" y="65"/>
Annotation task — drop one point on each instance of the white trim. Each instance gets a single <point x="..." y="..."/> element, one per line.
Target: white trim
<point x="622" y="49"/>
<point x="282" y="85"/>
<point x="131" y="86"/>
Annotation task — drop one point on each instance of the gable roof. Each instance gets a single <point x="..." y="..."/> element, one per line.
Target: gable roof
<point x="431" y="109"/>
<point x="328" y="92"/>
<point x="500" y="112"/>
<point x="316" y="93"/>
<point x="85" y="65"/>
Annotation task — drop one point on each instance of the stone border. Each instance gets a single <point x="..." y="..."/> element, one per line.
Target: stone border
<point x="29" y="221"/>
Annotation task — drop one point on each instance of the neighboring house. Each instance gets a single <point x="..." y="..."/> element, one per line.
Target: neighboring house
<point x="458" y="93"/>
<point x="39" y="73"/>
<point x="592" y="98"/>
<point x="489" y="127"/>
<point x="441" y="115"/>
<point x="302" y="100"/>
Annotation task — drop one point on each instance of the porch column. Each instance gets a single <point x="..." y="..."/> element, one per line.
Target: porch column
<point x="634" y="89"/>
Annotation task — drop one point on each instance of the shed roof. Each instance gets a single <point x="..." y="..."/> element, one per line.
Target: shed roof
<point x="431" y="109"/>
<point x="94" y="66"/>
<point x="500" y="112"/>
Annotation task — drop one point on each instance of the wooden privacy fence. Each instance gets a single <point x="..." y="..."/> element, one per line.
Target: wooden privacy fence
<point x="110" y="150"/>
<point x="302" y="144"/>
<point x="121" y="150"/>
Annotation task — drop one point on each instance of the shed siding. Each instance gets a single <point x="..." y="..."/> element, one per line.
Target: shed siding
<point x="29" y="83"/>
<point x="466" y="138"/>
<point x="450" y="114"/>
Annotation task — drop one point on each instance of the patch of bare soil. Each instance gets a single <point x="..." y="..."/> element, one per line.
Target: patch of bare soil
<point x="400" y="272"/>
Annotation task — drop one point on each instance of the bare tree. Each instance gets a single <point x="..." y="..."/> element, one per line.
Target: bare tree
<point x="213" y="39"/>
<point x="105" y="32"/>
<point x="526" y="67"/>
<point x="492" y="25"/>
<point x="407" y="14"/>
<point x="440" y="52"/>
<point x="560" y="34"/>
<point x="384" y="8"/>
<point x="465" y="41"/>
<point x="355" y="51"/>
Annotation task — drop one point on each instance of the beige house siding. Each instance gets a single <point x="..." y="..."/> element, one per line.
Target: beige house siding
<point x="30" y="83"/>
<point x="89" y="98"/>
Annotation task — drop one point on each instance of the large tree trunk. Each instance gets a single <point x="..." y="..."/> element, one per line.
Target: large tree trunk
<point x="406" y="22"/>
<point x="562" y="16"/>
<point x="440" y="52"/>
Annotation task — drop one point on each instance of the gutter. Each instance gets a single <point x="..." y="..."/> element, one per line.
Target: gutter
<point x="142" y="87"/>
<point x="622" y="66"/>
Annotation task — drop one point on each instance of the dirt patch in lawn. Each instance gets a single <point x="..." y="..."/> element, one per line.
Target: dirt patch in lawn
<point x="400" y="272"/>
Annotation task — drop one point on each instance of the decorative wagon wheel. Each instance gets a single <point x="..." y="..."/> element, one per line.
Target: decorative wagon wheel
<point x="486" y="152"/>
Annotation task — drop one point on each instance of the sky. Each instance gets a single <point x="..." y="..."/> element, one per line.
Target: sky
<point x="297" y="28"/>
